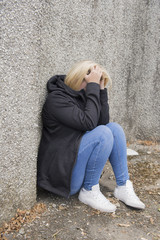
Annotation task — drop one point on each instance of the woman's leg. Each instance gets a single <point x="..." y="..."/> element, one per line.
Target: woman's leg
<point x="118" y="156"/>
<point x="118" y="159"/>
<point x="94" y="150"/>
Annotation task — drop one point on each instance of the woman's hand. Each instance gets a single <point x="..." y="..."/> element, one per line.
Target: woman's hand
<point x="102" y="84"/>
<point x="94" y="75"/>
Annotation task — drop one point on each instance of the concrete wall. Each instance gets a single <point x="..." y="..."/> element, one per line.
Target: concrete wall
<point x="41" y="38"/>
<point x="121" y="35"/>
<point x="19" y="100"/>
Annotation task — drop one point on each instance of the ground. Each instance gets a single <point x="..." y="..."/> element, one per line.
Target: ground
<point x="70" y="219"/>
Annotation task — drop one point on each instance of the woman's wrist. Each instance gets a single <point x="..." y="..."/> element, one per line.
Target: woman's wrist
<point x="102" y="84"/>
<point x="101" y="88"/>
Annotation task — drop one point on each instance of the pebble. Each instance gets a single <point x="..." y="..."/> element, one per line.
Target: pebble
<point x="21" y="231"/>
<point x="131" y="152"/>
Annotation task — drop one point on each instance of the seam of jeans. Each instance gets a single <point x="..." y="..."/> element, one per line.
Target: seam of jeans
<point x="96" y="142"/>
<point x="88" y="145"/>
<point x="95" y="162"/>
<point x="122" y="171"/>
<point x="115" y="139"/>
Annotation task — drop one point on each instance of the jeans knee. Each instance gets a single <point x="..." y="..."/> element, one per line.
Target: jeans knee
<point x="114" y="125"/>
<point x="105" y="134"/>
<point x="115" y="128"/>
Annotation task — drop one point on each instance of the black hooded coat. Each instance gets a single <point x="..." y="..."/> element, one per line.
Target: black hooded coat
<point x="66" y="115"/>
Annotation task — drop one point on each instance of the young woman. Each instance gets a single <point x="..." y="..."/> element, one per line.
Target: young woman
<point x="77" y="139"/>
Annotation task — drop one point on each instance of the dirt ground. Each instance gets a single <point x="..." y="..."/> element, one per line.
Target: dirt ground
<point x="70" y="219"/>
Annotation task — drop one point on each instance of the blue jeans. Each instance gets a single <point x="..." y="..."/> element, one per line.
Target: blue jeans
<point x="96" y="146"/>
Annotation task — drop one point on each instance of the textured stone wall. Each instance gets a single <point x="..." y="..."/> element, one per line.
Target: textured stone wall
<point x="19" y="100"/>
<point x="136" y="92"/>
<point x="41" y="38"/>
<point x="121" y="35"/>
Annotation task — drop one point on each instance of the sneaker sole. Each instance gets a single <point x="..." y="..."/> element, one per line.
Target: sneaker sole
<point x="130" y="205"/>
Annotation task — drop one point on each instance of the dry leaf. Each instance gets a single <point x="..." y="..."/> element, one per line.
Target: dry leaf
<point x="123" y="225"/>
<point x="61" y="207"/>
<point x="95" y="212"/>
<point x="128" y="144"/>
<point x="151" y="220"/>
<point x="147" y="143"/>
<point x="23" y="216"/>
<point x="77" y="207"/>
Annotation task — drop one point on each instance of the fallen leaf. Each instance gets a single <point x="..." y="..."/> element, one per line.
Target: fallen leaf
<point x="23" y="216"/>
<point x="114" y="215"/>
<point x="61" y="207"/>
<point x="147" y="143"/>
<point x="77" y="207"/>
<point x="151" y="220"/>
<point x="123" y="225"/>
<point x="95" y="212"/>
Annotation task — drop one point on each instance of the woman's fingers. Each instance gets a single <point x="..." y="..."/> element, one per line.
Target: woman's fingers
<point x="94" y="75"/>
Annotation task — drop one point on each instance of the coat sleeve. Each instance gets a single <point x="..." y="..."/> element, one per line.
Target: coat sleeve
<point x="63" y="108"/>
<point x="104" y="113"/>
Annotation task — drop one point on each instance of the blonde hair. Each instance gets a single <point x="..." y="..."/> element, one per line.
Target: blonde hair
<point x="77" y="73"/>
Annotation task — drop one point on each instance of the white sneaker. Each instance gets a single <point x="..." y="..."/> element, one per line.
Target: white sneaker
<point x="127" y="195"/>
<point x="95" y="199"/>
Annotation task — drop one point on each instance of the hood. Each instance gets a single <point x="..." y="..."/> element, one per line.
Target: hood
<point x="57" y="83"/>
<point x="52" y="83"/>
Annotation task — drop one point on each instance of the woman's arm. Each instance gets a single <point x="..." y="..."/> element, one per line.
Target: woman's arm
<point x="104" y="113"/>
<point x="62" y="108"/>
